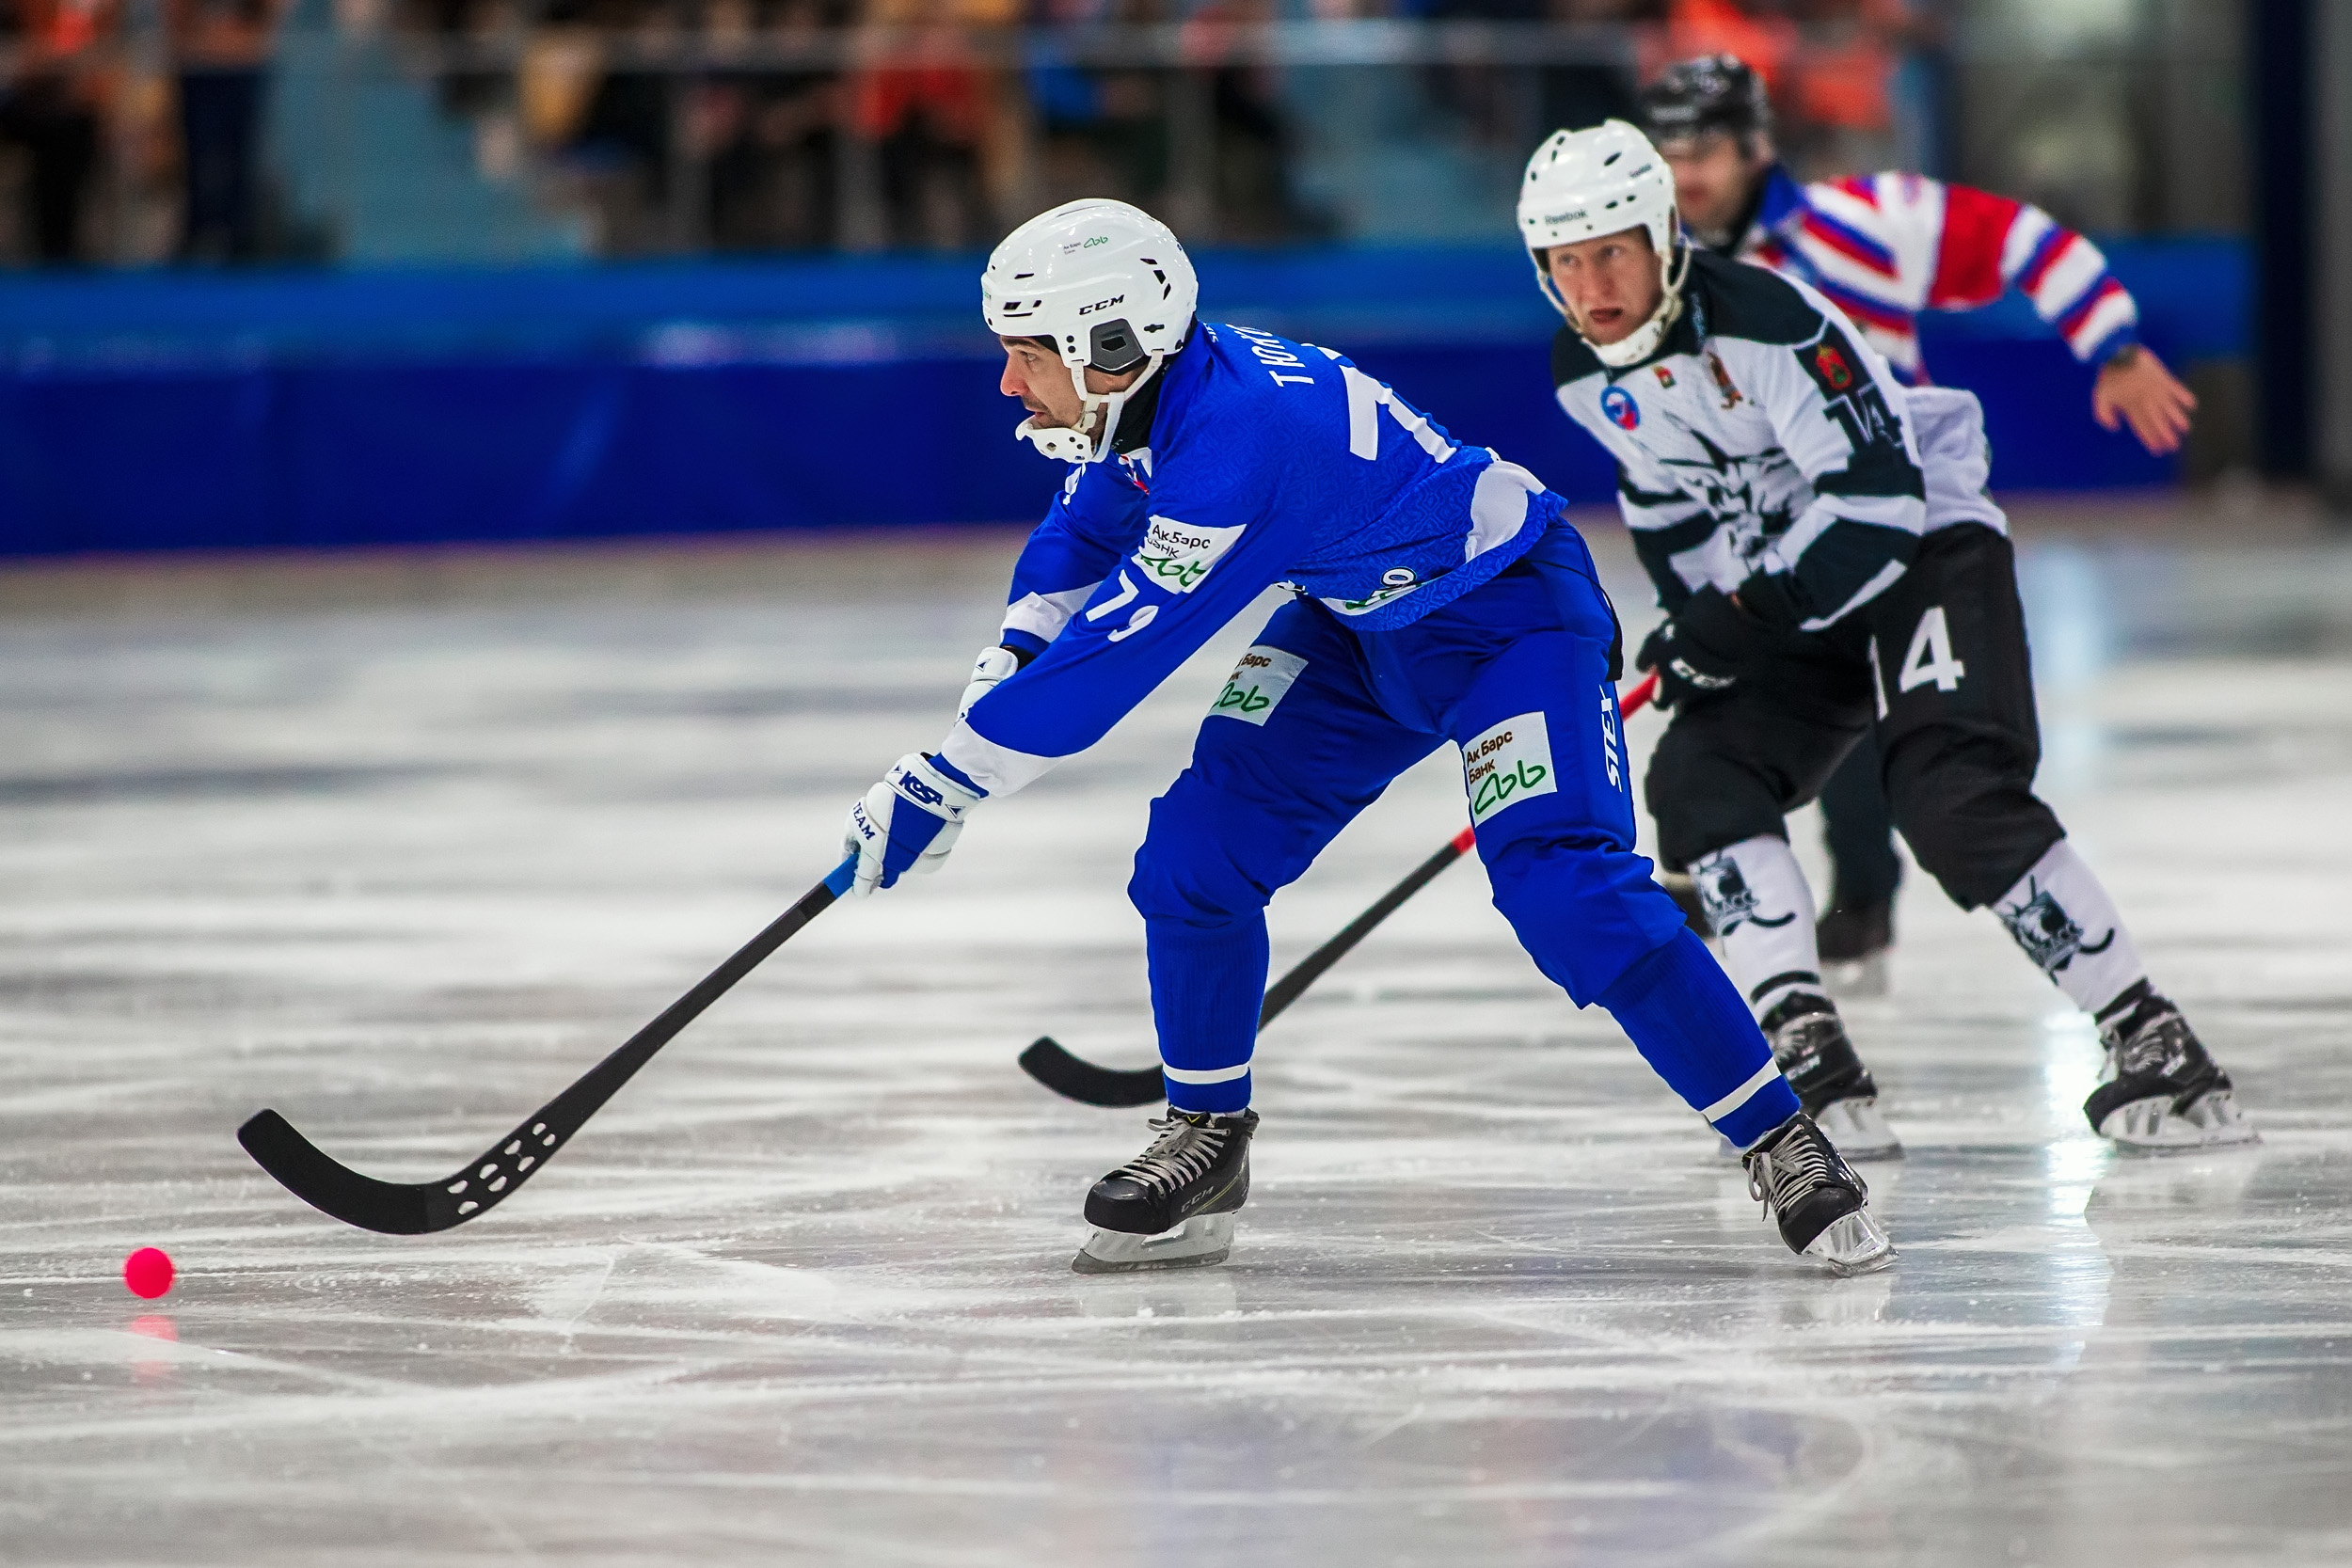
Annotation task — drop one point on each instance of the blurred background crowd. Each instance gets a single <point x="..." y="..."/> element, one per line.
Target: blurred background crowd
<point x="133" y="132"/>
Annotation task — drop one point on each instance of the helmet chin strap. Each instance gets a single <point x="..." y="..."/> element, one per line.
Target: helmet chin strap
<point x="1674" y="268"/>
<point x="1639" y="344"/>
<point x="1072" y="443"/>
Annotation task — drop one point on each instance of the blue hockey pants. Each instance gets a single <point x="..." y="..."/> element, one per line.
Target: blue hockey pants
<point x="1319" y="717"/>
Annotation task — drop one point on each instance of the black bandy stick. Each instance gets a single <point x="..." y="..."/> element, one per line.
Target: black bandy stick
<point x="1074" y="1077"/>
<point x="415" y="1209"/>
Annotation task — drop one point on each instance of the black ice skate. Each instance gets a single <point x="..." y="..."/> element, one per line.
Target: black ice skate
<point x="2160" y="1092"/>
<point x="1809" y="1043"/>
<point x="1173" y="1206"/>
<point x="1823" y="1208"/>
<point x="1854" y="942"/>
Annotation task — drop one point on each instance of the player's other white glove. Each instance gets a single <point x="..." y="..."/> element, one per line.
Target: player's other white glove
<point x="993" y="665"/>
<point x="906" y="824"/>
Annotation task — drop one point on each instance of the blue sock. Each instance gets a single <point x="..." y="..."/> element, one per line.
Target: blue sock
<point x="1207" y="985"/>
<point x="1692" y="1024"/>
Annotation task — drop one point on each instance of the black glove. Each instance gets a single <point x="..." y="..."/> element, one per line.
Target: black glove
<point x="1702" y="651"/>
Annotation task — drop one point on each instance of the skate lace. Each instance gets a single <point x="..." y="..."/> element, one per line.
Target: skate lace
<point x="1183" y="1151"/>
<point x="1780" y="1176"/>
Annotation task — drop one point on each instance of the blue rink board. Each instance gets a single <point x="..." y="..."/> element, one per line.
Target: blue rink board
<point x="164" y="411"/>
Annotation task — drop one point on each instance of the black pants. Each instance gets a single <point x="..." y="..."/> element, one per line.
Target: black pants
<point x="1935" y="672"/>
<point x="220" y="124"/>
<point x="61" y="135"/>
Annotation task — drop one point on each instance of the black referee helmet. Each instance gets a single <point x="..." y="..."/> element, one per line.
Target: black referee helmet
<point x="1713" y="92"/>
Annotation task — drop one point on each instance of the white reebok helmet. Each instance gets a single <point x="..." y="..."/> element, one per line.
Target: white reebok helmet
<point x="1581" y="184"/>
<point x="1112" y="289"/>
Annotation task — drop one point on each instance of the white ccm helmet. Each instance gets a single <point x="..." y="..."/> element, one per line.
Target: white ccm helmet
<point x="1581" y="184"/>
<point x="1108" y="283"/>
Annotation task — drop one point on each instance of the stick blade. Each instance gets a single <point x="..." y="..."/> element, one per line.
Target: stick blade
<point x="334" y="1189"/>
<point x="1074" y="1079"/>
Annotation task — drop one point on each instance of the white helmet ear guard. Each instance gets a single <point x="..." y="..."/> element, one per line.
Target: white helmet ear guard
<point x="1109" y="287"/>
<point x="1581" y="184"/>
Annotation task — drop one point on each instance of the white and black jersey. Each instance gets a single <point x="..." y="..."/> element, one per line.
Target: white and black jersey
<point x="1767" y="439"/>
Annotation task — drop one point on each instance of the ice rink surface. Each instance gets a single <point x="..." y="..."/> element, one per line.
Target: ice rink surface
<point x="401" y="847"/>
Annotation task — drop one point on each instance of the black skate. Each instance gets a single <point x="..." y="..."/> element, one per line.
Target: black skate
<point x="1854" y="942"/>
<point x="2160" y="1092"/>
<point x="1809" y="1043"/>
<point x="1823" y="1208"/>
<point x="1173" y="1206"/>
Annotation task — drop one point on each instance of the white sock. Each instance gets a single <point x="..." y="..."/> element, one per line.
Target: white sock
<point x="1762" y="911"/>
<point x="2067" y="925"/>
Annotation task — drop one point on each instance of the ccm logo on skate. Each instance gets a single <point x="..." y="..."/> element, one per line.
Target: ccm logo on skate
<point x="1508" y="764"/>
<point x="1261" y="679"/>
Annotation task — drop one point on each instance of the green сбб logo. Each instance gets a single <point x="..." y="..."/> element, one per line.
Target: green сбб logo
<point x="1497" y="787"/>
<point x="1508" y="764"/>
<point x="1181" y="571"/>
<point x="1236" y="697"/>
<point x="1258" y="682"/>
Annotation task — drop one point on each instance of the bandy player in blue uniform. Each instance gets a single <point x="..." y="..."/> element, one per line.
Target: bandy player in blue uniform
<point x="1439" y="597"/>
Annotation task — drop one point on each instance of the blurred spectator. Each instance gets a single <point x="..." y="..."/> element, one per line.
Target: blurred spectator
<point x="771" y="144"/>
<point x="1577" y="96"/>
<point x="223" y="49"/>
<point x="1837" y="93"/>
<point x="1829" y="66"/>
<point x="51" y="110"/>
<point x="943" y="129"/>
<point x="1250" y="198"/>
<point x="1759" y="35"/>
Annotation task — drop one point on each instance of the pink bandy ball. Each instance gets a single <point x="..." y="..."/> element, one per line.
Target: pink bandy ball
<point x="148" y="1272"/>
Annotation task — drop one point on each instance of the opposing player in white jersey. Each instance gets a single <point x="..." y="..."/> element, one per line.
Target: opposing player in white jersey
<point x="1882" y="247"/>
<point x="1438" y="595"/>
<point x="1821" y="537"/>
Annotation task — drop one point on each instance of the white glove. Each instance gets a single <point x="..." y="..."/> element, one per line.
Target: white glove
<point x="906" y="824"/>
<point x="993" y="665"/>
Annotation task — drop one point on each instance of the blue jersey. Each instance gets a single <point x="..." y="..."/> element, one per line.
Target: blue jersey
<point x="1269" y="461"/>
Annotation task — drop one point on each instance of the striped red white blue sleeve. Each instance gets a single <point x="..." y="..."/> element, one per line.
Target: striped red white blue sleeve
<point x="1885" y="247"/>
<point x="1990" y="244"/>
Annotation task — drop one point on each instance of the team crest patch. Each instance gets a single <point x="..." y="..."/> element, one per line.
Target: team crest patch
<point x="1261" y="679"/>
<point x="1508" y="764"/>
<point x="1833" y="366"/>
<point x="1666" y="377"/>
<point x="2051" y="937"/>
<point x="1619" y="406"/>
<point x="1178" y="555"/>
<point x="1725" y="895"/>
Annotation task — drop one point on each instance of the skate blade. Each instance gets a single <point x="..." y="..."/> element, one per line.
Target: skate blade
<point x="1860" y="978"/>
<point x="1856" y="1244"/>
<point x="1858" y="1129"/>
<point x="1200" y="1240"/>
<point x="2153" y="1127"/>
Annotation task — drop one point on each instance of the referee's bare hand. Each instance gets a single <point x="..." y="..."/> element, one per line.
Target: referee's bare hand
<point x="2136" y="389"/>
